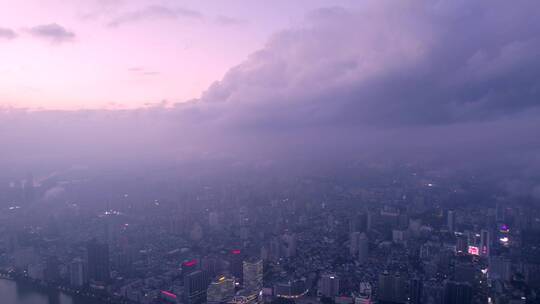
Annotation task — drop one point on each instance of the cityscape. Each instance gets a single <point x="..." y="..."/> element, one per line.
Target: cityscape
<point x="396" y="235"/>
<point x="276" y="152"/>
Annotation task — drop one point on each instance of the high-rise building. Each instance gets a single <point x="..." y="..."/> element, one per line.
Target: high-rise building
<point x="363" y="248"/>
<point x="213" y="220"/>
<point x="400" y="236"/>
<point x="485" y="244"/>
<point x="358" y="223"/>
<point x="275" y="249"/>
<point x="195" y="287"/>
<point x="236" y="260"/>
<point x="359" y="246"/>
<point x="52" y="269"/>
<point x="451" y="221"/>
<point x="391" y="288"/>
<point x="253" y="275"/>
<point x="329" y="285"/>
<point x="77" y="275"/>
<point x="499" y="268"/>
<point x="532" y="274"/>
<point x="211" y="265"/>
<point x="465" y="272"/>
<point x="457" y="293"/>
<point x="289" y="245"/>
<point x="433" y="293"/>
<point x="416" y="288"/>
<point x="98" y="261"/>
<point x="353" y="243"/>
<point x="221" y="290"/>
<point x="462" y="245"/>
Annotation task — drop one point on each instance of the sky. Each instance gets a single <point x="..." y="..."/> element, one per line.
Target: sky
<point x="452" y="85"/>
<point x="95" y="54"/>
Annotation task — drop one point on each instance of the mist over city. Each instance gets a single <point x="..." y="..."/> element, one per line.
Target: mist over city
<point x="280" y="152"/>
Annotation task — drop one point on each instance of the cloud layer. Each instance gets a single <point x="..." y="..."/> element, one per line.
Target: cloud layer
<point x="52" y="32"/>
<point x="450" y="84"/>
<point x="155" y="12"/>
<point x="7" y="33"/>
<point x="418" y="63"/>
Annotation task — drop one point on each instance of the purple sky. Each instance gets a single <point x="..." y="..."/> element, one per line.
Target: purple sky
<point x="60" y="54"/>
<point x="454" y="84"/>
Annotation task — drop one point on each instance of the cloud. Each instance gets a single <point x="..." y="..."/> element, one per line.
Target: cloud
<point x="229" y="21"/>
<point x="52" y="32"/>
<point x="6" y="33"/>
<point x="445" y="84"/>
<point x="391" y="65"/>
<point x="155" y="12"/>
<point x="142" y="71"/>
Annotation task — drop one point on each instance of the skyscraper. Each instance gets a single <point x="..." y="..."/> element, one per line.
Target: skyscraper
<point x="451" y="220"/>
<point x="353" y="243"/>
<point x="236" y="260"/>
<point x="289" y="245"/>
<point x="457" y="293"/>
<point x="220" y="290"/>
<point x="329" y="285"/>
<point x="391" y="288"/>
<point x="485" y="240"/>
<point x="253" y="275"/>
<point x="363" y="248"/>
<point x="98" y="261"/>
<point x="416" y="288"/>
<point x="77" y="276"/>
<point x="195" y="287"/>
<point x="52" y="269"/>
<point x="500" y="268"/>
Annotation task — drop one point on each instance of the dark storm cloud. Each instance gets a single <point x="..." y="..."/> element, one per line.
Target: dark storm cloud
<point x="155" y="12"/>
<point x="52" y="32"/>
<point x="7" y="33"/>
<point x="394" y="64"/>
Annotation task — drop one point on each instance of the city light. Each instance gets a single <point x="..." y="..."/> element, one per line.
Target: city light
<point x="474" y="250"/>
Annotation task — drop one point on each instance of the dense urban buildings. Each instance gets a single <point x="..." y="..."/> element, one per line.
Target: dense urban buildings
<point x="406" y="241"/>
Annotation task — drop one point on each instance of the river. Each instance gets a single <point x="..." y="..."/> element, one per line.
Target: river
<point x="12" y="292"/>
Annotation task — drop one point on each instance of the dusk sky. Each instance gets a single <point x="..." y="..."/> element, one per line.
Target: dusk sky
<point x="92" y="54"/>
<point x="452" y="83"/>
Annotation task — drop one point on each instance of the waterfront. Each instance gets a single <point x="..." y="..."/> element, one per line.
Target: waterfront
<point x="12" y="292"/>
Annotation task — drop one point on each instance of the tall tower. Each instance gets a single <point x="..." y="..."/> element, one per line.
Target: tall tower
<point x="236" y="260"/>
<point x="485" y="244"/>
<point x="253" y="275"/>
<point x="457" y="293"/>
<point x="329" y="285"/>
<point x="363" y="248"/>
<point x="195" y="287"/>
<point x="353" y="242"/>
<point x="98" y="261"/>
<point x="391" y="288"/>
<point x="451" y="220"/>
<point x="77" y="276"/>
